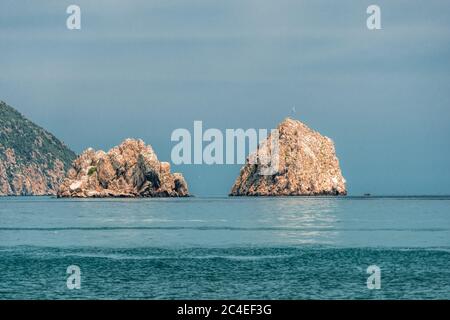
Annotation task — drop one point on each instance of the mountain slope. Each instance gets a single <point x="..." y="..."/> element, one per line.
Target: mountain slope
<point x="32" y="160"/>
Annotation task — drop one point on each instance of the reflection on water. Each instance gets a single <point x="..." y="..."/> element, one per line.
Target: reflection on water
<point x="225" y="222"/>
<point x="314" y="220"/>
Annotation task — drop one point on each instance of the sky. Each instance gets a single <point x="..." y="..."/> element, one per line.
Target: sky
<point x="142" y="69"/>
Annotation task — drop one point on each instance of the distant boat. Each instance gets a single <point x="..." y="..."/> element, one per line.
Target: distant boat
<point x="367" y="194"/>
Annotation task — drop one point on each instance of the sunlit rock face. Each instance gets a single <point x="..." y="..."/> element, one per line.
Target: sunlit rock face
<point x="306" y="165"/>
<point x="131" y="169"/>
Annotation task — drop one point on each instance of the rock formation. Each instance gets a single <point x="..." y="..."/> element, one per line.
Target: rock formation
<point x="129" y="170"/>
<point x="32" y="160"/>
<point x="307" y="165"/>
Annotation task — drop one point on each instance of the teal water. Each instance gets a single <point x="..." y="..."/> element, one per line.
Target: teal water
<point x="225" y="248"/>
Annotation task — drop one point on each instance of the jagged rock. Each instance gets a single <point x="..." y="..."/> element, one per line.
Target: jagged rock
<point x="131" y="169"/>
<point x="32" y="160"/>
<point x="307" y="165"/>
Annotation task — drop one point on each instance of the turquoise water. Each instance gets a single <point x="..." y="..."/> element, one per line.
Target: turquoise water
<point x="225" y="248"/>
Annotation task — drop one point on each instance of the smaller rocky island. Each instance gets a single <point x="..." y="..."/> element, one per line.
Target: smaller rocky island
<point x="307" y="166"/>
<point x="131" y="169"/>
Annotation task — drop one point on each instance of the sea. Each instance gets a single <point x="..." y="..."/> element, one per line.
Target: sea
<point x="225" y="248"/>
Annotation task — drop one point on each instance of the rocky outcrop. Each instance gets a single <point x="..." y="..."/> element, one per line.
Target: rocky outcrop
<point x="306" y="165"/>
<point x="32" y="160"/>
<point x="130" y="170"/>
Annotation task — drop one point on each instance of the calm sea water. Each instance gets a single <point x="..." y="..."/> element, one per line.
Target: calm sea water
<point x="225" y="248"/>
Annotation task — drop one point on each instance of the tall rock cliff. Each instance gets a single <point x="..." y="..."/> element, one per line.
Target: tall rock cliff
<point x="131" y="169"/>
<point x="307" y="165"/>
<point x="32" y="160"/>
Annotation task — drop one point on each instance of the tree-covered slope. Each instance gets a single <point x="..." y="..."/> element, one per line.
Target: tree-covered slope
<point x="32" y="160"/>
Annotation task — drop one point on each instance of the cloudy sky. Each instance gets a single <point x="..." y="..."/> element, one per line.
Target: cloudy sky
<point x="144" y="68"/>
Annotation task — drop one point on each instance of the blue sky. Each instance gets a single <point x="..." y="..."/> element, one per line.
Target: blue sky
<point x="144" y="68"/>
